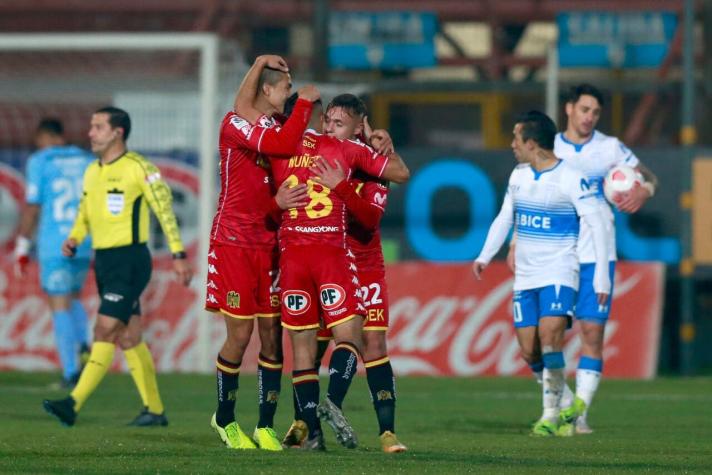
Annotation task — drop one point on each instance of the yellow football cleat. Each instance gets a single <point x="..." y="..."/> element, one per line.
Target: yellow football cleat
<point x="296" y="434"/>
<point x="544" y="428"/>
<point x="232" y="435"/>
<point x="266" y="438"/>
<point x="391" y="444"/>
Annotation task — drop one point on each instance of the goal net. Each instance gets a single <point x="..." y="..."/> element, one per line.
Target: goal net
<point x="168" y="83"/>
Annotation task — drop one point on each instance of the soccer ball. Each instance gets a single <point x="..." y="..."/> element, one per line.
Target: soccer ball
<point x="619" y="180"/>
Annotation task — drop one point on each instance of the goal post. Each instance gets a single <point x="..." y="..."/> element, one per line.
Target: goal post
<point x="206" y="45"/>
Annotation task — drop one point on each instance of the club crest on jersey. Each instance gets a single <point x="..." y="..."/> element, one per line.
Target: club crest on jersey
<point x="296" y="301"/>
<point x="332" y="296"/>
<point x="115" y="201"/>
<point x="232" y="299"/>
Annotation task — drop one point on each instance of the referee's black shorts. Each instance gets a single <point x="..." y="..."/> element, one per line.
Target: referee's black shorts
<point x="122" y="274"/>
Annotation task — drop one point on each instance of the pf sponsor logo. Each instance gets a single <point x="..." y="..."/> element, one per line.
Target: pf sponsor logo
<point x="296" y="301"/>
<point x="332" y="296"/>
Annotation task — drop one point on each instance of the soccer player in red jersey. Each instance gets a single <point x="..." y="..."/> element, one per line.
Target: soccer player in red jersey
<point x="366" y="198"/>
<point x="242" y="262"/>
<point x="318" y="275"/>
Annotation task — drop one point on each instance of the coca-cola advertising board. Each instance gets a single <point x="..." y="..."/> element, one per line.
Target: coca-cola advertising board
<point x="443" y="323"/>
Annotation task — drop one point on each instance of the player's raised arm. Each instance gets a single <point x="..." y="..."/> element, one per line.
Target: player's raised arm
<point x="246" y="95"/>
<point x="497" y="234"/>
<point x="282" y="142"/>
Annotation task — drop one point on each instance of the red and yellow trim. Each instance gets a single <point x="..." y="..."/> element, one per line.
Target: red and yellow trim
<point x="343" y="320"/>
<point x="269" y="364"/>
<point x="313" y="326"/>
<point x="227" y="369"/>
<point x="305" y="378"/>
<point x="378" y="362"/>
<point x="267" y="315"/>
<point x="239" y="317"/>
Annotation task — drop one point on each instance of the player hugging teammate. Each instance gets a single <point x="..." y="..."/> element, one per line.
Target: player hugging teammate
<point x="317" y="272"/>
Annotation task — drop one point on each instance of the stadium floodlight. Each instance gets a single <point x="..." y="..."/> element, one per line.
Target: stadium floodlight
<point x="137" y="44"/>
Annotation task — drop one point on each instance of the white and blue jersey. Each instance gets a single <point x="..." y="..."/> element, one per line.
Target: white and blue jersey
<point x="594" y="158"/>
<point x="54" y="183"/>
<point x="544" y="208"/>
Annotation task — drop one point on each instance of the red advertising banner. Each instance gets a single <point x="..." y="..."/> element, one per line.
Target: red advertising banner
<point x="443" y="322"/>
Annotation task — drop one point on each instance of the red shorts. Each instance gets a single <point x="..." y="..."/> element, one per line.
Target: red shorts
<point x="375" y="297"/>
<point x="318" y="283"/>
<point x="241" y="282"/>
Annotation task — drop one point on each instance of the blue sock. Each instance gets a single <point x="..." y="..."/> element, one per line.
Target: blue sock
<point x="66" y="344"/>
<point x="81" y="323"/>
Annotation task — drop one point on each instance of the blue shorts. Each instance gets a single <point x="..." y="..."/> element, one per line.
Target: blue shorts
<point x="587" y="307"/>
<point x="550" y="301"/>
<point x="63" y="275"/>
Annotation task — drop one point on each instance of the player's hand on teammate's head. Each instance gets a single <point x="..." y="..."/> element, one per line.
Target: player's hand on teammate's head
<point x="182" y="270"/>
<point x="633" y="200"/>
<point x="274" y="61"/>
<point x="291" y="197"/>
<point x="379" y="139"/>
<point x="478" y="268"/>
<point x="326" y="174"/>
<point x="69" y="247"/>
<point x="309" y="93"/>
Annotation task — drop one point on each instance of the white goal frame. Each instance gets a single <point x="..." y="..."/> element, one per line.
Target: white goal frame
<point x="207" y="45"/>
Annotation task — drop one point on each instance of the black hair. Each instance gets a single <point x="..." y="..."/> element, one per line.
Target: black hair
<point x="538" y="127"/>
<point x="51" y="125"/>
<point x="117" y="118"/>
<point x="269" y="76"/>
<point x="350" y="103"/>
<point x="575" y="93"/>
<point x="292" y="101"/>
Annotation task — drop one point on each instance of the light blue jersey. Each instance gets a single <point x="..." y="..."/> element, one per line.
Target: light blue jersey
<point x="54" y="182"/>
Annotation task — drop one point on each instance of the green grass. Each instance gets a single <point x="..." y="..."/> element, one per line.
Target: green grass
<point x="450" y="425"/>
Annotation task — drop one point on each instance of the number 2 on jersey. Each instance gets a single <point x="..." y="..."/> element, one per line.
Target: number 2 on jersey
<point x="317" y="199"/>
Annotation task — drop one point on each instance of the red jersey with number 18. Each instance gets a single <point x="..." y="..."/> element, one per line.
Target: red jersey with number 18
<point x="323" y="219"/>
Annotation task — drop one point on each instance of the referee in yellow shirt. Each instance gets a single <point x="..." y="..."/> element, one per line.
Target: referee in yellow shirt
<point x="118" y="189"/>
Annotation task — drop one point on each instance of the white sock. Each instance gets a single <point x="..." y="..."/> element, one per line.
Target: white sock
<point x="586" y="384"/>
<point x="539" y="376"/>
<point x="553" y="388"/>
<point x="567" y="398"/>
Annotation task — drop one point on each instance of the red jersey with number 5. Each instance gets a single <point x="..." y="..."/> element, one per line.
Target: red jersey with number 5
<point x="323" y="219"/>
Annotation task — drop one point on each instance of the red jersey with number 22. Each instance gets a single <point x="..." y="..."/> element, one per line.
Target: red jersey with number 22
<point x="323" y="219"/>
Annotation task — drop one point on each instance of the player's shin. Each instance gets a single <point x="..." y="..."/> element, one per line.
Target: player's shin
<point x="382" y="385"/>
<point x="342" y="368"/>
<point x="102" y="354"/>
<point x="269" y="377"/>
<point x="588" y="376"/>
<point x="553" y="385"/>
<point x="80" y="322"/>
<point x="306" y="390"/>
<point x="227" y="384"/>
<point x="66" y="344"/>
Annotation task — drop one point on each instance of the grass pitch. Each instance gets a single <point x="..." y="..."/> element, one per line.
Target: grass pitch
<point x="450" y="426"/>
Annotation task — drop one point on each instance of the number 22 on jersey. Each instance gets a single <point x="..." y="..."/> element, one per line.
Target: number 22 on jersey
<point x="319" y="206"/>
